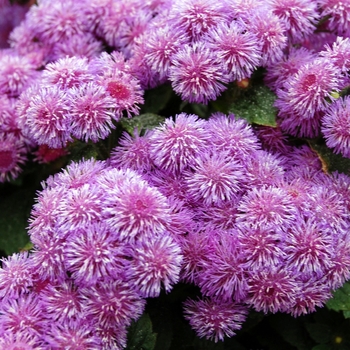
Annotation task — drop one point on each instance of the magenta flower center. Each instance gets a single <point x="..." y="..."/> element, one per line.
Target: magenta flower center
<point x="308" y="82"/>
<point x="118" y="90"/>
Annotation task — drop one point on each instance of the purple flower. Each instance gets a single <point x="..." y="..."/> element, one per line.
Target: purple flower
<point x="91" y="112"/>
<point x="66" y="73"/>
<point x="16" y="74"/>
<point x="23" y="315"/>
<point x="270" y="31"/>
<point x="335" y="126"/>
<point x="231" y="135"/>
<point x="133" y="152"/>
<point x="20" y="340"/>
<point x="298" y="16"/>
<point x="158" y="48"/>
<point x="77" y="336"/>
<point x="136" y="209"/>
<point x="308" y="295"/>
<point x="176" y="144"/>
<point x="47" y="117"/>
<point x="338" y="53"/>
<point x="62" y="303"/>
<point x="195" y="17"/>
<point x="338" y="13"/>
<point x="222" y="273"/>
<point x="280" y="71"/>
<point x="262" y="247"/>
<point x="113" y="304"/>
<point x="214" y="319"/>
<point x="79" y="207"/>
<point x="263" y="168"/>
<point x="237" y="47"/>
<point x="272" y="290"/>
<point x="16" y="276"/>
<point x="91" y="254"/>
<point x="156" y="263"/>
<point x="12" y="156"/>
<point x="306" y="92"/>
<point x="267" y="206"/>
<point x="197" y="74"/>
<point x="309" y="249"/>
<point x="273" y="140"/>
<point x="215" y="178"/>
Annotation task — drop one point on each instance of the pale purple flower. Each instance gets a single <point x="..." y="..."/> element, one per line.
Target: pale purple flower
<point x="112" y="304"/>
<point x="309" y="295"/>
<point x="338" y="13"/>
<point x="155" y="264"/>
<point x="62" y="302"/>
<point x="77" y="336"/>
<point x="231" y="135"/>
<point x="237" y="47"/>
<point x="16" y="74"/>
<point x="47" y="119"/>
<point x="270" y="31"/>
<point x="289" y="65"/>
<point x="299" y="16"/>
<point x="113" y="337"/>
<point x="23" y="315"/>
<point x="338" y="53"/>
<point x="197" y="74"/>
<point x="267" y="206"/>
<point x="135" y="209"/>
<point x="67" y="72"/>
<point x="272" y="290"/>
<point x="158" y="48"/>
<point x="215" y="178"/>
<point x="16" y="276"/>
<point x="195" y="17"/>
<point x="214" y="319"/>
<point x="12" y="156"/>
<point x="335" y="126"/>
<point x="309" y="90"/>
<point x="176" y="144"/>
<point x="133" y="152"/>
<point x="309" y="249"/>
<point x="20" y="340"/>
<point x="91" y="111"/>
<point x="222" y="274"/>
<point x="91" y="254"/>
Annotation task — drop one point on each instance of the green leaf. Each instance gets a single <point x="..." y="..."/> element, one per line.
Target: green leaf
<point x="256" y="106"/>
<point x="141" y="122"/>
<point x="156" y="99"/>
<point x="341" y="299"/>
<point x="140" y="335"/>
<point x="330" y="161"/>
<point x="15" y="207"/>
<point x="322" y="347"/>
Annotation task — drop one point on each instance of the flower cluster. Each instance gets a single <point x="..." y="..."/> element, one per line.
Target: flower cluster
<point x="238" y="211"/>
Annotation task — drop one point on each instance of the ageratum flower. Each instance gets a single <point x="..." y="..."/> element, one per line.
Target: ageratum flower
<point x="338" y="53"/>
<point x="16" y="276"/>
<point x="176" y="144"/>
<point x="197" y="74"/>
<point x="213" y="318"/>
<point x="67" y="72"/>
<point x="337" y="13"/>
<point x="215" y="178"/>
<point x="307" y="92"/>
<point x="237" y="47"/>
<point x="155" y="263"/>
<point x="92" y="111"/>
<point x="335" y="126"/>
<point x="298" y="16"/>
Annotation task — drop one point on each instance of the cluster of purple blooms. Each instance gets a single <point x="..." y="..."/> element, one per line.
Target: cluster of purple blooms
<point x="253" y="221"/>
<point x="243" y="214"/>
<point x="57" y="82"/>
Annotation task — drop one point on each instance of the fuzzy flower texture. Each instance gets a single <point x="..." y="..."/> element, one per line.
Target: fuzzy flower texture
<point x="202" y="202"/>
<point x="240" y="212"/>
